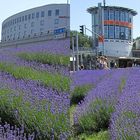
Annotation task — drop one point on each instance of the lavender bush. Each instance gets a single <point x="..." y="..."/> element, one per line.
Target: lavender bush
<point x="94" y="112"/>
<point x="8" y="132"/>
<point x="39" y="114"/>
<point x="24" y="97"/>
<point x="84" y="81"/>
<point x="56" y="81"/>
<point x="126" y="118"/>
<point x="54" y="47"/>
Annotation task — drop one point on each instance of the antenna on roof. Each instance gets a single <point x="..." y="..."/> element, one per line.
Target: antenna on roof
<point x="104" y="2"/>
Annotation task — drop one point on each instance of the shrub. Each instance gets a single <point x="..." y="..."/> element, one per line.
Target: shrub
<point x="97" y="116"/>
<point x="79" y="93"/>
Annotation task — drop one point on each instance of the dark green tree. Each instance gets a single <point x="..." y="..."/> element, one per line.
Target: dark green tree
<point x="84" y="40"/>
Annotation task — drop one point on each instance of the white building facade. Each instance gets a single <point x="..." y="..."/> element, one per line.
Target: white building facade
<point x="114" y="26"/>
<point x="53" y="19"/>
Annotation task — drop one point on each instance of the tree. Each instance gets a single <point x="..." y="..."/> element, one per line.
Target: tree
<point x="84" y="40"/>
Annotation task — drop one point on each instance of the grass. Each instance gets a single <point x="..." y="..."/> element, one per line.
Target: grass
<point x="56" y="81"/>
<point x="46" y="58"/>
<point x="102" y="135"/>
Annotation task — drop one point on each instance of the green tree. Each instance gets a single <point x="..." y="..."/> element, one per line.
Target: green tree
<point x="84" y="40"/>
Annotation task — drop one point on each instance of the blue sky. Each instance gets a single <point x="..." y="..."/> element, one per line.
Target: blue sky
<point x="11" y="7"/>
<point x="79" y="15"/>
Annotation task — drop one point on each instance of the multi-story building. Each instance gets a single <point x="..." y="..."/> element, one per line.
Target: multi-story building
<point x="49" y="20"/>
<point x="113" y="26"/>
<point x="136" y="48"/>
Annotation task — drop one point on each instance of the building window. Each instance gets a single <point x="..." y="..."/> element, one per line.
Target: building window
<point x="49" y="13"/>
<point x="56" y="21"/>
<point x="33" y="15"/>
<point x="126" y="17"/>
<point x="57" y="12"/>
<point x="122" y="33"/>
<point x="117" y="32"/>
<point x="25" y="33"/>
<point x="42" y="13"/>
<point x="117" y="15"/>
<point x="37" y="15"/>
<point x="25" y="17"/>
<point x="130" y="18"/>
<point x="17" y="20"/>
<point x="122" y="16"/>
<point x="41" y="30"/>
<point x="126" y="33"/>
<point x="32" y="24"/>
<point x="22" y="18"/>
<point x="106" y="32"/>
<point x="19" y="27"/>
<point x="19" y="35"/>
<point x="130" y="34"/>
<point x="42" y="22"/>
<point x="111" y="15"/>
<point x="15" y="28"/>
<point x="106" y="15"/>
<point x="14" y="22"/>
<point x="111" y="32"/>
<point x="29" y="16"/>
<point x="32" y="31"/>
<point x="25" y="26"/>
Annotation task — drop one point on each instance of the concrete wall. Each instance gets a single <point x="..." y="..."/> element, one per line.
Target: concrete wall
<point x="118" y="48"/>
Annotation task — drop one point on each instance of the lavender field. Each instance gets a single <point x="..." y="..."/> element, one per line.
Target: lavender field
<point x="41" y="100"/>
<point x="34" y="91"/>
<point x="111" y="105"/>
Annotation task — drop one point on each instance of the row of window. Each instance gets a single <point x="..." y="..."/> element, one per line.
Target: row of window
<point x="117" y="32"/>
<point x="24" y="35"/>
<point x="32" y="34"/>
<point x="29" y="17"/>
<point x="56" y="21"/>
<point x="113" y="14"/>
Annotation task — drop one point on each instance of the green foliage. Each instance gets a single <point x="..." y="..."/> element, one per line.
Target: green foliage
<point x="6" y="110"/>
<point x="15" y="110"/>
<point x="79" y="93"/>
<point x="122" y="84"/>
<point x="97" y="116"/>
<point x="55" y="81"/>
<point x="84" y="40"/>
<point x="129" y="114"/>
<point x="102" y="135"/>
<point x="45" y="58"/>
<point x="72" y="109"/>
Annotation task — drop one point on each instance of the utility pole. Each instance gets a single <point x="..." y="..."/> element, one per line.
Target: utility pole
<point x="77" y="51"/>
<point x="73" y="56"/>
